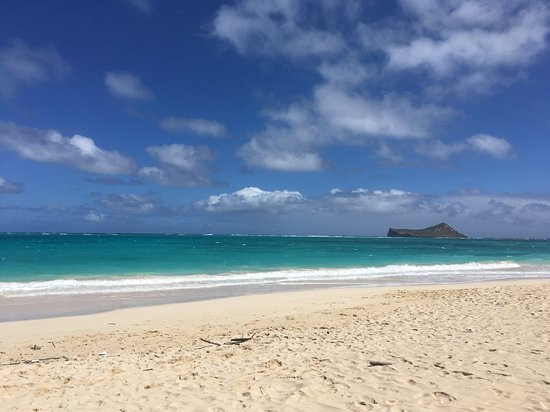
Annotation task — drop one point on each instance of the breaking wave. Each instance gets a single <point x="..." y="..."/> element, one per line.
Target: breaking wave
<point x="367" y="276"/>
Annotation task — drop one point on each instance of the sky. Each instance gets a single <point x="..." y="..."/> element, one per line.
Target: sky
<point x="339" y="117"/>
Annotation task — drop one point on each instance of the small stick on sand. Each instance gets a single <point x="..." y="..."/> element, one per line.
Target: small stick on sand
<point x="379" y="363"/>
<point x="64" y="357"/>
<point x="210" y="342"/>
<point x="238" y="341"/>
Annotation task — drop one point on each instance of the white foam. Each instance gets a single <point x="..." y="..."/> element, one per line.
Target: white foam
<point x="391" y="274"/>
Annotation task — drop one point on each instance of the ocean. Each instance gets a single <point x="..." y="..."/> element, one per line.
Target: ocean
<point x="60" y="264"/>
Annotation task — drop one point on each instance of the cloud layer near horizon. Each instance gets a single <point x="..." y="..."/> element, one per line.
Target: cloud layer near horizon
<point x="362" y="210"/>
<point x="353" y="212"/>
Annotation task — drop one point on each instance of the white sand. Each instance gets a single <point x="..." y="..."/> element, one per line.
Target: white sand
<point x="468" y="347"/>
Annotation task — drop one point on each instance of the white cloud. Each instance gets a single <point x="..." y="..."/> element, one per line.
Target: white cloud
<point x="198" y="126"/>
<point x="114" y="181"/>
<point x="277" y="27"/>
<point x="127" y="85"/>
<point x="289" y="142"/>
<point x="481" y="143"/>
<point x="130" y="203"/>
<point x="363" y="208"/>
<point x="143" y="6"/>
<point x="438" y="150"/>
<point x="293" y="137"/>
<point x="370" y="201"/>
<point x="490" y="145"/>
<point x="386" y="153"/>
<point x="472" y="42"/>
<point x="180" y="165"/>
<point x="389" y="116"/>
<point x="379" y="79"/>
<point x="94" y="216"/>
<point x="345" y="72"/>
<point x="23" y="64"/>
<point x="274" y="154"/>
<point x="10" y="187"/>
<point x="50" y="146"/>
<point x="250" y="198"/>
<point x="476" y="49"/>
<point x="537" y="208"/>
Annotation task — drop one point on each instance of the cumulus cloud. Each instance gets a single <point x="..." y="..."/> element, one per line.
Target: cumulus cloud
<point x="368" y="211"/>
<point x="337" y="200"/>
<point x="438" y="150"/>
<point x="490" y="145"/>
<point x="293" y="137"/>
<point x="370" y="201"/>
<point x="22" y="64"/>
<point x="250" y="198"/>
<point x="387" y="154"/>
<point x="114" y="181"/>
<point x="482" y="143"/>
<point x="180" y="165"/>
<point x="50" y="146"/>
<point x="537" y="207"/>
<point x="470" y="45"/>
<point x="94" y="216"/>
<point x="360" y="211"/>
<point x="130" y="203"/>
<point x="501" y="211"/>
<point x="278" y="27"/>
<point x="472" y="33"/>
<point x="273" y="153"/>
<point x="290" y="142"/>
<point x="10" y="187"/>
<point x="391" y="202"/>
<point x="199" y="126"/>
<point x="143" y="6"/>
<point x="389" y="116"/>
<point x="127" y="85"/>
<point x="378" y="78"/>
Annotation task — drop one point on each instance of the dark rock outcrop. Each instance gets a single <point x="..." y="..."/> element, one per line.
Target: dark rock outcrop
<point x="440" y="230"/>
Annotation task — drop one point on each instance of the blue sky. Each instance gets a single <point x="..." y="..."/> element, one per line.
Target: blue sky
<point x="288" y="116"/>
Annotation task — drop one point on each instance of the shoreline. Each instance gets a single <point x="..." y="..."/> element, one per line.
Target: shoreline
<point x="476" y="346"/>
<point x="265" y="301"/>
<point x="13" y="309"/>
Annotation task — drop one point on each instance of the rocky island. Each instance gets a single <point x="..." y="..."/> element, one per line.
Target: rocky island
<point x="440" y="230"/>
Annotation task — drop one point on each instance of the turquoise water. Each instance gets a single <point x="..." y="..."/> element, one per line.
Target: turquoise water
<point x="36" y="264"/>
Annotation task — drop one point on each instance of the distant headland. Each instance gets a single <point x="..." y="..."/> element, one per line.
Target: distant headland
<point x="440" y="230"/>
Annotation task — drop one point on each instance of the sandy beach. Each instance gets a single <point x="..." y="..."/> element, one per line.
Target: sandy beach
<point x="476" y="347"/>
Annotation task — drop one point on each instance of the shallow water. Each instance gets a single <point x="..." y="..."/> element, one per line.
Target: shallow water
<point x="73" y="264"/>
